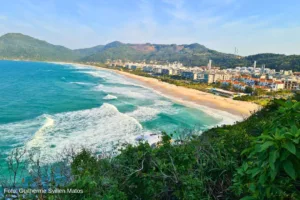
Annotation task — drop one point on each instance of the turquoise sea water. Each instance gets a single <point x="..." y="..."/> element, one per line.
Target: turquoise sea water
<point x="48" y="107"/>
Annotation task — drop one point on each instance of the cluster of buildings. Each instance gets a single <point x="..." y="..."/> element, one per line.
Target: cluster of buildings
<point x="240" y="77"/>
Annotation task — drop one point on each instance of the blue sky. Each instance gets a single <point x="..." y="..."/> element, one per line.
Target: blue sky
<point x="253" y="26"/>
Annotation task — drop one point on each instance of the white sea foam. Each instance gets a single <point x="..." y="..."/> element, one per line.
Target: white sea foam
<point x="19" y="131"/>
<point x="82" y="83"/>
<point x="109" y="97"/>
<point x="73" y="65"/>
<point x="110" y="77"/>
<point x="124" y="91"/>
<point x="143" y="114"/>
<point x="93" y="128"/>
<point x="80" y="66"/>
<point x="223" y="116"/>
<point x="150" y="112"/>
<point x="38" y="138"/>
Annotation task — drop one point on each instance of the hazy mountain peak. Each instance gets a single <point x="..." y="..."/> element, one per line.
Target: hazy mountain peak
<point x="15" y="36"/>
<point x="114" y="44"/>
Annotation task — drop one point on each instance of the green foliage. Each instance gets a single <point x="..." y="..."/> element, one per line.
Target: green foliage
<point x="189" y="170"/>
<point x="271" y="170"/>
<point x="277" y="61"/>
<point x="248" y="90"/>
<point x="227" y="86"/>
<point x="18" y="46"/>
<point x="84" y="163"/>
<point x="258" y="92"/>
<point x="254" y="99"/>
<point x="89" y="51"/>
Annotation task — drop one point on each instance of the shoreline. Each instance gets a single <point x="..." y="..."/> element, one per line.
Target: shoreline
<point x="191" y="96"/>
<point x="239" y="110"/>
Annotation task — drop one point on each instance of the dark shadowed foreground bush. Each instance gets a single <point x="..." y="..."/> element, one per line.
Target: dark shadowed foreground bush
<point x="254" y="159"/>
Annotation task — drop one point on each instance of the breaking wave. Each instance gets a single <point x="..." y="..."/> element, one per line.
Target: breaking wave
<point x="109" y="97"/>
<point x="82" y="83"/>
<point x="93" y="128"/>
<point x="37" y="140"/>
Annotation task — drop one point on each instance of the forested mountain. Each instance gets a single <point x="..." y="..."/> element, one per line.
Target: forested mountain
<point x="190" y="55"/>
<point x="89" y="51"/>
<point x="277" y="61"/>
<point x="19" y="46"/>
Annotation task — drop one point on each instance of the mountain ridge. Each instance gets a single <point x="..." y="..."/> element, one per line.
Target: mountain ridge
<point x="19" y="46"/>
<point x="24" y="47"/>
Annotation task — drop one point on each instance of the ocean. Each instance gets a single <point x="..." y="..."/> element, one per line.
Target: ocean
<point x="48" y="107"/>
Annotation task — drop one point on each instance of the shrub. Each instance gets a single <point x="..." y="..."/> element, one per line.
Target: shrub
<point x="271" y="170"/>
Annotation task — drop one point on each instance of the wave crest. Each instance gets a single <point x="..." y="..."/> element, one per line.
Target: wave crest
<point x="109" y="97"/>
<point x="93" y="128"/>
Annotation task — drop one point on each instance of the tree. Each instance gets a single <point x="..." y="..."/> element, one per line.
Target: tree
<point x="258" y="92"/>
<point x="248" y="90"/>
<point x="227" y="86"/>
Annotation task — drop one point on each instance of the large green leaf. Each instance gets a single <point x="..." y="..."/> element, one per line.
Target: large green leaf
<point x="290" y="147"/>
<point x="266" y="145"/>
<point x="272" y="158"/>
<point x="289" y="169"/>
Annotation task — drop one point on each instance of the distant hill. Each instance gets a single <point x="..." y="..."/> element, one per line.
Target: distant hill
<point x="190" y="55"/>
<point x="115" y="50"/>
<point x="19" y="46"/>
<point x="277" y="61"/>
<point x="89" y="51"/>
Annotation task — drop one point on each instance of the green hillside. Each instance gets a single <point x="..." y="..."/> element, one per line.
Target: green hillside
<point x="190" y="55"/>
<point x="113" y="51"/>
<point x="277" y="61"/>
<point x="19" y="46"/>
<point x="89" y="51"/>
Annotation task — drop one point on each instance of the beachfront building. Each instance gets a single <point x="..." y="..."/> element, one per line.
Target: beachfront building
<point x="157" y="70"/>
<point x="148" y="69"/>
<point x="239" y="85"/>
<point x="291" y="84"/>
<point x="277" y="85"/>
<point x="251" y="76"/>
<point x="189" y="75"/>
<point x="207" y="77"/>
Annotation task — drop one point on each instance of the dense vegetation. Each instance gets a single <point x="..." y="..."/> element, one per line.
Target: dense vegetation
<point x="89" y="51"/>
<point x="258" y="158"/>
<point x="277" y="61"/>
<point x="18" y="46"/>
<point x="189" y="55"/>
<point x="263" y="97"/>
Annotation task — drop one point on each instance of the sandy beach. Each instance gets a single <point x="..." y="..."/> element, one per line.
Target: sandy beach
<point x="186" y="95"/>
<point x="190" y="97"/>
